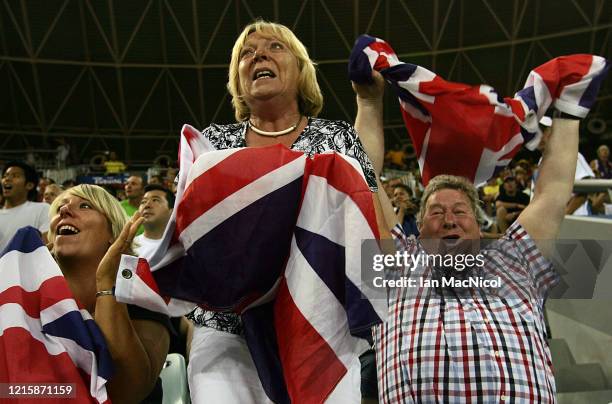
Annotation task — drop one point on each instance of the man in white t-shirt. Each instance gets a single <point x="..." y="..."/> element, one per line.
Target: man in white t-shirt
<point x="19" y="182"/>
<point x="156" y="208"/>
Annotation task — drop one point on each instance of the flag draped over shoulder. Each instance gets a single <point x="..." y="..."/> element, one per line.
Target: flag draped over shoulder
<point x="44" y="336"/>
<point x="470" y="130"/>
<point x="275" y="236"/>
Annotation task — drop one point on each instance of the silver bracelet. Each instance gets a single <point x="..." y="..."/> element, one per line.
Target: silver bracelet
<point x="108" y="292"/>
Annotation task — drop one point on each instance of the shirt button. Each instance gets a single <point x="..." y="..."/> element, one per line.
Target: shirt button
<point x="486" y="320"/>
<point x="497" y="353"/>
<point x="126" y="273"/>
<point x="504" y="398"/>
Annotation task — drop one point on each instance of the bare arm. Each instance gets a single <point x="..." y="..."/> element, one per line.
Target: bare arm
<point x="138" y="347"/>
<point x="543" y="216"/>
<point x="369" y="120"/>
<point x="369" y="127"/>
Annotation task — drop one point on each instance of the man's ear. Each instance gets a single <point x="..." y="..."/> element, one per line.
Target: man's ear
<point x="30" y="186"/>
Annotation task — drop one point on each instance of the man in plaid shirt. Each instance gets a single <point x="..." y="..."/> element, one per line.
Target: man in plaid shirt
<point x="452" y="344"/>
<point x="443" y="345"/>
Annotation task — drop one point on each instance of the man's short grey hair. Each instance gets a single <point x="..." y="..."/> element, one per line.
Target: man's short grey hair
<point x="462" y="184"/>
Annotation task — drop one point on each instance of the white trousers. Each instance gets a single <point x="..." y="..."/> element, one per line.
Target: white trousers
<point x="221" y="370"/>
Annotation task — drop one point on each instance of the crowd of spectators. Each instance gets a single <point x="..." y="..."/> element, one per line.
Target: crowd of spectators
<point x="502" y="197"/>
<point x="26" y="196"/>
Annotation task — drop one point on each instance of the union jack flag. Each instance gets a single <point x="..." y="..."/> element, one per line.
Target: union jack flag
<point x="275" y="236"/>
<point x="44" y="336"/>
<point x="470" y="130"/>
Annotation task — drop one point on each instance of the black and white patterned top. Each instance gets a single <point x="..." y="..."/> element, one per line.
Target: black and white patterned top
<point x="319" y="135"/>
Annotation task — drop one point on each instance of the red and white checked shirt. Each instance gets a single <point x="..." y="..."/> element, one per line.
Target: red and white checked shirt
<point x="438" y="346"/>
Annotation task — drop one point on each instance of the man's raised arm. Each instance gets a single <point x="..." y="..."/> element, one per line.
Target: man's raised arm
<point x="543" y="216"/>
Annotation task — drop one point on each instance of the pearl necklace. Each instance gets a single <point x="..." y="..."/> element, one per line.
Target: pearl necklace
<point x="274" y="134"/>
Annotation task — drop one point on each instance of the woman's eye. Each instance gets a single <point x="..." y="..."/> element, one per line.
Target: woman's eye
<point x="85" y="206"/>
<point x="246" y="52"/>
<point x="276" y="46"/>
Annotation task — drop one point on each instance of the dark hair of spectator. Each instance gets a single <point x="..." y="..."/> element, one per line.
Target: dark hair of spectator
<point x="69" y="183"/>
<point x="159" y="177"/>
<point x="142" y="178"/>
<point x="169" y="194"/>
<point x="30" y="174"/>
<point x="404" y="187"/>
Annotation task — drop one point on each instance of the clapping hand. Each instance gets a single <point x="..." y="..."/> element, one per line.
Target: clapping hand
<point x="107" y="269"/>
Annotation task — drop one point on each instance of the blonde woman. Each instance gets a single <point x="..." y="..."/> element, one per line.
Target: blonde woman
<point x="276" y="100"/>
<point x="89" y="231"/>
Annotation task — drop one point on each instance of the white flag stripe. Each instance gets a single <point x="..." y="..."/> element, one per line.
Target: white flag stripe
<point x="329" y="320"/>
<point x="197" y="144"/>
<point x="168" y="256"/>
<point x="413" y="84"/>
<point x="423" y="154"/>
<point x="133" y="290"/>
<point x="348" y="230"/>
<point x="492" y="158"/>
<point x="86" y="360"/>
<point x="178" y="307"/>
<point x="414" y="112"/>
<point x="189" y="151"/>
<point x="58" y="309"/>
<point x="572" y="92"/>
<point x="38" y="266"/>
<point x="136" y="291"/>
<point x="13" y="315"/>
